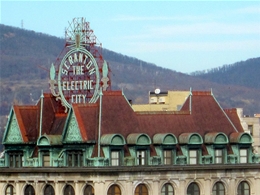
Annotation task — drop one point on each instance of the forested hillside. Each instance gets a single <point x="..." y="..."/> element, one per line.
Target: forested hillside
<point x="26" y="57"/>
<point x="244" y="73"/>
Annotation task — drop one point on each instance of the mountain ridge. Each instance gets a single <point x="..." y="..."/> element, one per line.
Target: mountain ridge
<point x="26" y="57"/>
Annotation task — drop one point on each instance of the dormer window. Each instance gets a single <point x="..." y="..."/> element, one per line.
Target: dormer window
<point x="166" y="143"/>
<point x="243" y="141"/>
<point x="15" y="159"/>
<point x="191" y="143"/>
<point x="141" y="157"/>
<point x="75" y="158"/>
<point x="113" y="148"/>
<point x="139" y="144"/>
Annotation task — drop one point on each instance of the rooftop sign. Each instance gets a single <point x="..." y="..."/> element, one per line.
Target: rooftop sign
<point x="78" y="70"/>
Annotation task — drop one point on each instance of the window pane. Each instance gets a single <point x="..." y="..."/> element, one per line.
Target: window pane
<point x="167" y="189"/>
<point x="46" y="160"/>
<point x="243" y="189"/>
<point x="10" y="190"/>
<point x="193" y="156"/>
<point x="218" y="189"/>
<point x="250" y="129"/>
<point x="141" y="190"/>
<point x="89" y="190"/>
<point x="115" y="158"/>
<point x="49" y="190"/>
<point x="193" y="189"/>
<point x="141" y="159"/>
<point x="15" y="159"/>
<point x="114" y="190"/>
<point x="29" y="190"/>
<point x="167" y="157"/>
<point x="218" y="156"/>
<point x="243" y="155"/>
<point x="69" y="190"/>
<point x="75" y="158"/>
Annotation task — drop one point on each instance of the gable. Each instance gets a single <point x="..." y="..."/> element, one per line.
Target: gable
<point x="72" y="132"/>
<point x="13" y="133"/>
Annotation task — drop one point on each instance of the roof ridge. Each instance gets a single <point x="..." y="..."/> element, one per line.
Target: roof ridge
<point x="201" y="93"/>
<point x="224" y="113"/>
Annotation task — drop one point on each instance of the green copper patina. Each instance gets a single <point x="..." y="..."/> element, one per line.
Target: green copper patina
<point x="13" y="133"/>
<point x="73" y="133"/>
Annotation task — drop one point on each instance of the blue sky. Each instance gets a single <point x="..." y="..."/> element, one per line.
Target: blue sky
<point x="185" y="36"/>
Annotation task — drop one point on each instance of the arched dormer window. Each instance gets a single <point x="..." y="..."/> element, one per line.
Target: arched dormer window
<point x="218" y="141"/>
<point x="139" y="147"/>
<point x="165" y="144"/>
<point x="243" y="142"/>
<point x="193" y="141"/>
<point x="44" y="143"/>
<point x="113" y="145"/>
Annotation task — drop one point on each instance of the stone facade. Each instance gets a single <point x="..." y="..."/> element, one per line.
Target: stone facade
<point x="128" y="180"/>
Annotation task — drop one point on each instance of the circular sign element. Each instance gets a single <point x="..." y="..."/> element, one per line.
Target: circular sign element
<point x="78" y="77"/>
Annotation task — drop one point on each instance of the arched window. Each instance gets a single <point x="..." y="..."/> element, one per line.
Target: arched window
<point x="218" y="189"/>
<point x="114" y="190"/>
<point x="69" y="190"/>
<point x="243" y="188"/>
<point x="141" y="189"/>
<point x="167" y="189"/>
<point x="49" y="190"/>
<point x="193" y="189"/>
<point x="10" y="190"/>
<point x="29" y="190"/>
<point x="89" y="190"/>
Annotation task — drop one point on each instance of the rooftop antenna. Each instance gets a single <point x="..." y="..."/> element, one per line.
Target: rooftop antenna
<point x="22" y="24"/>
<point x="42" y="96"/>
<point x="99" y="120"/>
<point x="190" y="107"/>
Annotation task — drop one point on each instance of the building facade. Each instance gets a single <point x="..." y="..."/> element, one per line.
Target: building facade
<point x="251" y="125"/>
<point x="186" y="152"/>
<point x="85" y="139"/>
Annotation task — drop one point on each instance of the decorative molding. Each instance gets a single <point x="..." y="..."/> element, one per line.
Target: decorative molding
<point x="73" y="132"/>
<point x="14" y="133"/>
